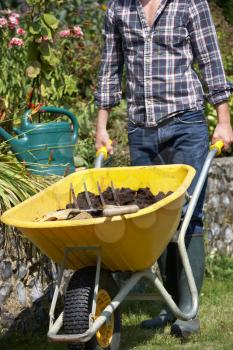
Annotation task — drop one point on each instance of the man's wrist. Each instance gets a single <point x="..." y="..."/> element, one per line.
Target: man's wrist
<point x="223" y="113"/>
<point x="102" y="120"/>
<point x="224" y="119"/>
<point x="101" y="129"/>
<point x="224" y="122"/>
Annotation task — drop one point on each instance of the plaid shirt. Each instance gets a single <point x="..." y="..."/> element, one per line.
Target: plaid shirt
<point x="161" y="80"/>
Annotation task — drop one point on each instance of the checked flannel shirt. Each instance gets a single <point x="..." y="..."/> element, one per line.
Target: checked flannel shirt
<point x="161" y="79"/>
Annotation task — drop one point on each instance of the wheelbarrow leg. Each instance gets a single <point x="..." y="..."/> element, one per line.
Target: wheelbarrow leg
<point x="194" y="246"/>
<point x="167" y="263"/>
<point x="54" y="327"/>
<point x="196" y="253"/>
<point x="189" y="291"/>
<point x="99" y="321"/>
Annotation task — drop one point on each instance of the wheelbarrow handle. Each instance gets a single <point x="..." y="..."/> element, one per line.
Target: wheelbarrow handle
<point x="101" y="155"/>
<point x="218" y="146"/>
<point x="215" y="149"/>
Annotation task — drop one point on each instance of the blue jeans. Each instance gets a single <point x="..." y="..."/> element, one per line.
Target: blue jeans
<point x="182" y="139"/>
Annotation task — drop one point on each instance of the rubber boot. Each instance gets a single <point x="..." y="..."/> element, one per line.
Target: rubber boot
<point x="196" y="254"/>
<point x="167" y="266"/>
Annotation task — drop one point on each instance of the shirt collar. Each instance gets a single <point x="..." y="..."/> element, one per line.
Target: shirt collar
<point x="142" y="15"/>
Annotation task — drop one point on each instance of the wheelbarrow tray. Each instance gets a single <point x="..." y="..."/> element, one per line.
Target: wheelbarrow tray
<point x="130" y="242"/>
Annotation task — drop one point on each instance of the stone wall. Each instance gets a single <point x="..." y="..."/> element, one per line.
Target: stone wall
<point x="24" y="287"/>
<point x="26" y="278"/>
<point x="219" y="206"/>
<point x="27" y="283"/>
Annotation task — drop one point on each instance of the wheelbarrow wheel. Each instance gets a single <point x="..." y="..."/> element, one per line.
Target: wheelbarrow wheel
<point x="78" y="305"/>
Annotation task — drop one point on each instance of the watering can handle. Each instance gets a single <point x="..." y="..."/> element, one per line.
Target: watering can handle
<point x="57" y="110"/>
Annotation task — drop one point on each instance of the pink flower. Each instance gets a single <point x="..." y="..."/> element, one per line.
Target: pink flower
<point x="65" y="33"/>
<point x="20" y="31"/>
<point x="13" y="21"/>
<point x="14" y="14"/>
<point x="44" y="38"/>
<point x="16" y="42"/>
<point x="3" y="22"/>
<point x="77" y="31"/>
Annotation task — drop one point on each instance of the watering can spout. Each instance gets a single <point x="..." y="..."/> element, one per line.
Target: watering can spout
<point x="15" y="143"/>
<point x="5" y="135"/>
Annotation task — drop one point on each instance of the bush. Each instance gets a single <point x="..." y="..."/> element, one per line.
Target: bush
<point x="219" y="266"/>
<point x="58" y="50"/>
<point x="226" y="5"/>
<point x="225" y="33"/>
<point x="85" y="149"/>
<point x="16" y="185"/>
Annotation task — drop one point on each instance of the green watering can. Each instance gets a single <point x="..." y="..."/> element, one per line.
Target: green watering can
<point x="46" y="149"/>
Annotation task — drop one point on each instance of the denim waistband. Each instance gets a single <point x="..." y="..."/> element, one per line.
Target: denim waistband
<point x="168" y="119"/>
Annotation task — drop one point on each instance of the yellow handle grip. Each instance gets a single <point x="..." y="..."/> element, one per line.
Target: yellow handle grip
<point x="104" y="150"/>
<point x="218" y="146"/>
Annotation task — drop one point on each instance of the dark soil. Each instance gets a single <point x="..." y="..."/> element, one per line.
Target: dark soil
<point x="142" y="197"/>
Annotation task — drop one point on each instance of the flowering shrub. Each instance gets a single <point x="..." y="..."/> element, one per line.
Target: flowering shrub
<point x="12" y="56"/>
<point x="58" y="56"/>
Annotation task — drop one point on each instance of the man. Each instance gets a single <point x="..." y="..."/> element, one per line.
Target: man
<point x="159" y="41"/>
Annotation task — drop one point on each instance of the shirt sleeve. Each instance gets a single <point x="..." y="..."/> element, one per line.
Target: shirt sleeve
<point x="205" y="45"/>
<point x="109" y="91"/>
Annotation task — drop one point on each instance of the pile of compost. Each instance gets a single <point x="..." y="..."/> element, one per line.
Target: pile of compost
<point x="111" y="202"/>
<point x="143" y="197"/>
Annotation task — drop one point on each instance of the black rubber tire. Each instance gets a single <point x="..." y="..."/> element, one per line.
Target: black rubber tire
<point x="78" y="304"/>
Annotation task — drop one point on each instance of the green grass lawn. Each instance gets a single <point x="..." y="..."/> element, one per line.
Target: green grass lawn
<point x="216" y="314"/>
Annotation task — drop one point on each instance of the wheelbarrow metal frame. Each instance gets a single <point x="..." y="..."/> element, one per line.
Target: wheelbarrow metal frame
<point x="97" y="323"/>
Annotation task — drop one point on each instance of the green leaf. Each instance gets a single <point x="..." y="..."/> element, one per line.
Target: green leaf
<point x="45" y="48"/>
<point x="48" y="55"/>
<point x="44" y="31"/>
<point x="35" y="28"/>
<point x="2" y="85"/>
<point x="43" y="90"/>
<point x="33" y="2"/>
<point x="34" y="69"/>
<point x="60" y="91"/>
<point x="33" y="52"/>
<point x="70" y="84"/>
<point x="51" y="20"/>
<point x="45" y="68"/>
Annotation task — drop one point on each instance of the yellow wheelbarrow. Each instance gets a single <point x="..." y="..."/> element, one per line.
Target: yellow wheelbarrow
<point x="97" y="247"/>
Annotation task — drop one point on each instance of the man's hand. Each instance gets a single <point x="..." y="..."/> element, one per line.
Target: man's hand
<point x="223" y="130"/>
<point x="224" y="133"/>
<point x="102" y="137"/>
